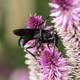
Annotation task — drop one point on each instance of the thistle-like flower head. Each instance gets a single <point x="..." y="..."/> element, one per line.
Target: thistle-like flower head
<point x="35" y="22"/>
<point x="65" y="14"/>
<point x="53" y="66"/>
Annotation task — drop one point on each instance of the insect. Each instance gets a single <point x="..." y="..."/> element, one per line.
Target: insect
<point x="40" y="35"/>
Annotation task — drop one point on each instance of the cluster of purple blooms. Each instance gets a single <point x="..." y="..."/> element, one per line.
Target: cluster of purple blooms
<point x="66" y="13"/>
<point x="66" y="18"/>
<point x="52" y="64"/>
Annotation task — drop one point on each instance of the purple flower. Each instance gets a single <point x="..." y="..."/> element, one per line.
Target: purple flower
<point x="53" y="66"/>
<point x="36" y="49"/>
<point x="65" y="14"/>
<point x="35" y="22"/>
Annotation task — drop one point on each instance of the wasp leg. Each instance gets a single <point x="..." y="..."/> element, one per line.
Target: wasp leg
<point x="35" y="45"/>
<point x="38" y="47"/>
<point x="48" y="45"/>
<point x="53" y="41"/>
<point x="31" y="54"/>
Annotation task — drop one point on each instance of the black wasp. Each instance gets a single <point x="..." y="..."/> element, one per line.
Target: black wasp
<point x="40" y="35"/>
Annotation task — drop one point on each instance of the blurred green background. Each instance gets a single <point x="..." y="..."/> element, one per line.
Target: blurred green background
<point x="14" y="14"/>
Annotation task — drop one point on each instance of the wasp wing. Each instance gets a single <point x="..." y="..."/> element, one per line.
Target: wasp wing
<point x="24" y="32"/>
<point x="25" y="35"/>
